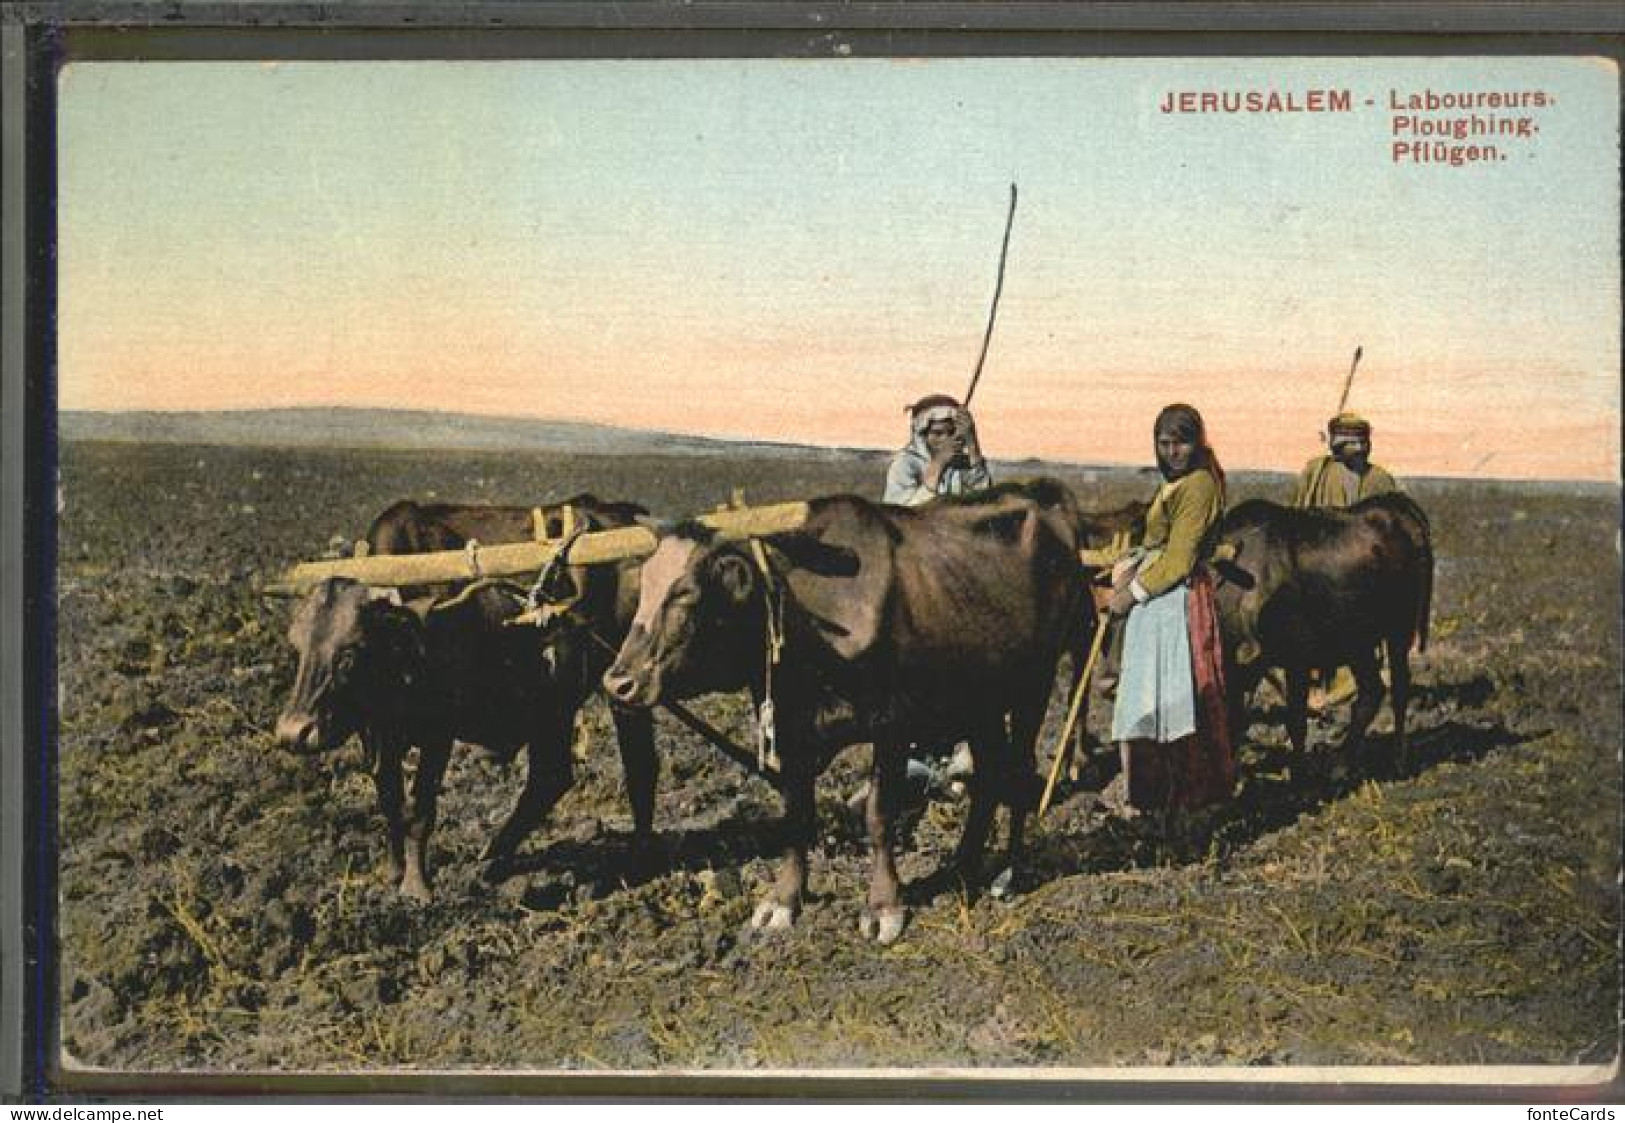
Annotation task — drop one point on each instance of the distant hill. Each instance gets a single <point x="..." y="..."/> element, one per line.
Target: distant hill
<point x="408" y="429"/>
<point x="420" y="430"/>
<point x="426" y="430"/>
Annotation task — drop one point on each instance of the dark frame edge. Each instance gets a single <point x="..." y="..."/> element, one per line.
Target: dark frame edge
<point x="28" y="55"/>
<point x="13" y="360"/>
<point x="28" y="456"/>
<point x="882" y="1086"/>
<point x="1369" y="16"/>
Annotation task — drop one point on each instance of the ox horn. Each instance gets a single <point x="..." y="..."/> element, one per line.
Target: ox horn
<point x="501" y="585"/>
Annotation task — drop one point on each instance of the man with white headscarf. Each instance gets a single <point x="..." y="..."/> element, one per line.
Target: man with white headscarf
<point x="942" y="456"/>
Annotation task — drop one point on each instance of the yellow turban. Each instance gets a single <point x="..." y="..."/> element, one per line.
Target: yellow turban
<point x="1348" y="425"/>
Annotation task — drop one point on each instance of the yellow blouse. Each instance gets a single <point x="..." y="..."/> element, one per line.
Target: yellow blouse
<point x="1179" y="517"/>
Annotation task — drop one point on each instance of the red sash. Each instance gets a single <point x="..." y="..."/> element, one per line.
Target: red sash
<point x="1210" y="772"/>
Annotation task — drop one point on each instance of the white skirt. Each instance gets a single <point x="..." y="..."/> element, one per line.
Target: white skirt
<point x="1156" y="688"/>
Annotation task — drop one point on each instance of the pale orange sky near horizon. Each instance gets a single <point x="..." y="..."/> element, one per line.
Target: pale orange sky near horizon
<point x="792" y="250"/>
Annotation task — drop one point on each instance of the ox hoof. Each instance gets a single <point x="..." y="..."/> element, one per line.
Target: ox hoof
<point x="772" y="916"/>
<point x="1003" y="887"/>
<point x="882" y="925"/>
<point x="416" y="890"/>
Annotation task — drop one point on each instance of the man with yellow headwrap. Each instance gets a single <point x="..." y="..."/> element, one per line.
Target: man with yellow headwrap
<point x="1341" y="478"/>
<point x="1345" y="475"/>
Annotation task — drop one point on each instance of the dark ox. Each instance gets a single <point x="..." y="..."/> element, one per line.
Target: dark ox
<point x="455" y="670"/>
<point x="1319" y="588"/>
<point x="410" y="527"/>
<point x="926" y="625"/>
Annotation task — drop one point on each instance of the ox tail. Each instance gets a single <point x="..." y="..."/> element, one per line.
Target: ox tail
<point x="1419" y="529"/>
<point x="1424" y="598"/>
<point x="1424" y="594"/>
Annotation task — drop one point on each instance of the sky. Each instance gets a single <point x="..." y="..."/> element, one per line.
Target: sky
<point x="794" y="249"/>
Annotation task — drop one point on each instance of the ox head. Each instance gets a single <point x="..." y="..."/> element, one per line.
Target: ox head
<point x="698" y="621"/>
<point x="354" y="648"/>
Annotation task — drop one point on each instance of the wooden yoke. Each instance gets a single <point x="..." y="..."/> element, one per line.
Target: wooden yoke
<point x="515" y="558"/>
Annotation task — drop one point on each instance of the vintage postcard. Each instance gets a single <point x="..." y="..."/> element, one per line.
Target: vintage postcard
<point x="1283" y="392"/>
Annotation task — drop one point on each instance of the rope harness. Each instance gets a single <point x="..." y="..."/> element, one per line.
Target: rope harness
<point x="539" y="596"/>
<point x="541" y="607"/>
<point x="767" y="734"/>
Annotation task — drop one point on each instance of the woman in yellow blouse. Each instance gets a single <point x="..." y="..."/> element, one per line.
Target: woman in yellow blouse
<point x="1169" y="717"/>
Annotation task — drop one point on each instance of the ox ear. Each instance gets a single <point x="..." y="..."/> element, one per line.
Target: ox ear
<point x="1225" y="565"/>
<point x="1234" y="574"/>
<point x="735" y="576"/>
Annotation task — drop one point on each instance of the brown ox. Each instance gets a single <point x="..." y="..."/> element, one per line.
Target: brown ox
<point x="455" y="670"/>
<point x="1318" y="588"/>
<point x="929" y="625"/>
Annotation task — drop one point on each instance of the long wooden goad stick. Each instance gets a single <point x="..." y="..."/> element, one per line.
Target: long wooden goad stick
<point x="993" y="312"/>
<point x="1348" y="383"/>
<point x="1063" y="748"/>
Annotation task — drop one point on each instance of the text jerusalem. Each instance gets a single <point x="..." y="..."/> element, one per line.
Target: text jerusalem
<point x="1257" y="101"/>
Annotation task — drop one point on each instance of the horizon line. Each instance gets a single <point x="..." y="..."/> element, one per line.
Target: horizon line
<point x="742" y="441"/>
